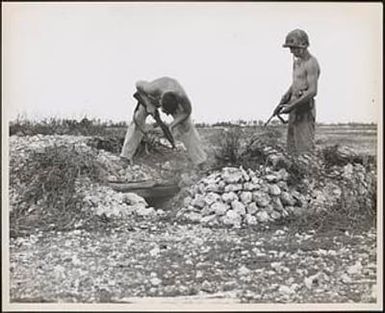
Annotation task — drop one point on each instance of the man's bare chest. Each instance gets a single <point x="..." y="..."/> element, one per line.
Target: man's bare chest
<point x="299" y="71"/>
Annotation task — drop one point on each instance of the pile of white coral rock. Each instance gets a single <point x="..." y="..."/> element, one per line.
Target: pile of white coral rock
<point x="102" y="200"/>
<point x="235" y="197"/>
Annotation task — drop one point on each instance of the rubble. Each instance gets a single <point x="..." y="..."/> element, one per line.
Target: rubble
<point x="27" y="155"/>
<point x="234" y="196"/>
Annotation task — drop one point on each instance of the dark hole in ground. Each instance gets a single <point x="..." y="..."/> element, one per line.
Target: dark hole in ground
<point x="156" y="196"/>
<point x="159" y="202"/>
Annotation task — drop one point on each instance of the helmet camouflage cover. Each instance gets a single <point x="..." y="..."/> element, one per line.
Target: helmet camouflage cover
<point x="296" y="38"/>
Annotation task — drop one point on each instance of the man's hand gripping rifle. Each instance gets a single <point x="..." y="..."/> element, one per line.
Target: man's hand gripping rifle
<point x="156" y="116"/>
<point x="276" y="113"/>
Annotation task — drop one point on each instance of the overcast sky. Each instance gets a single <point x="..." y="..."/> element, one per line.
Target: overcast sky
<point x="69" y="60"/>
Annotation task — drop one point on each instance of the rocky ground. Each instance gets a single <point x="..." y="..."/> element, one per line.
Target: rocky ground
<point x="159" y="259"/>
<point x="229" y="234"/>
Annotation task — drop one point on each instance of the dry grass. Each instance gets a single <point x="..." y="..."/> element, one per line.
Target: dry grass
<point x="49" y="199"/>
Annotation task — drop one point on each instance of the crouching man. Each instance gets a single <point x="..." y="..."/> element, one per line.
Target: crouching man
<point x="165" y="93"/>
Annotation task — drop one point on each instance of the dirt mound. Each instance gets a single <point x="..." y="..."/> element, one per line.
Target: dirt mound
<point x="51" y="178"/>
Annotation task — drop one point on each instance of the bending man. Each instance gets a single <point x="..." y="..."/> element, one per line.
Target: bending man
<point x="168" y="94"/>
<point x="299" y="101"/>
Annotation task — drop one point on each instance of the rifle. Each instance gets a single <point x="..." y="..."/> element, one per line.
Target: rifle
<point x="156" y="116"/>
<point x="277" y="114"/>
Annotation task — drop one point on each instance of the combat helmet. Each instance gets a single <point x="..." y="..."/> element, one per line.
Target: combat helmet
<point x="296" y="38"/>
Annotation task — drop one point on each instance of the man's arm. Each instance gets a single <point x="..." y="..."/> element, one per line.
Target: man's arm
<point x="309" y="93"/>
<point x="286" y="97"/>
<point x="186" y="107"/>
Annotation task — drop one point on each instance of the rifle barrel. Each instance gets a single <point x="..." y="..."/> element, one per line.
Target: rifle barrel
<point x="268" y="121"/>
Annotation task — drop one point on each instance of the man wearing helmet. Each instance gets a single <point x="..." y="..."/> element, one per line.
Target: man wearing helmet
<point x="299" y="101"/>
<point x="165" y="93"/>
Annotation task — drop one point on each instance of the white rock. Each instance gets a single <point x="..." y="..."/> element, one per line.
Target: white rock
<point x="261" y="198"/>
<point x="229" y="197"/>
<point x="348" y="171"/>
<point x="284" y="213"/>
<point x="142" y="211"/>
<point x="206" y="286"/>
<point x="238" y="207"/>
<point x="233" y="187"/>
<point x="112" y="178"/>
<point x="232" y="175"/>
<point x="283" y="174"/>
<point x="190" y="208"/>
<point x="193" y="217"/>
<point x="198" y="201"/>
<point x="232" y="218"/>
<point x="250" y="186"/>
<point x="252" y="208"/>
<point x="263" y="217"/>
<point x="246" y="197"/>
<point x="160" y="212"/>
<point x="155" y="281"/>
<point x="243" y="270"/>
<point x="308" y="281"/>
<point x="208" y="219"/>
<point x="255" y="180"/>
<point x="245" y="176"/>
<point x="346" y="278"/>
<point x="271" y="178"/>
<point x="274" y="190"/>
<point x="277" y="204"/>
<point x="213" y="188"/>
<point x="287" y="199"/>
<point x="76" y="261"/>
<point x="155" y="251"/>
<point x="283" y="185"/>
<point x="275" y="215"/>
<point x="280" y="232"/>
<point x="221" y="185"/>
<point x="264" y="188"/>
<point x="219" y="208"/>
<point x="250" y="220"/>
<point x="210" y="180"/>
<point x="355" y="269"/>
<point x="207" y="210"/>
<point x="212" y="197"/>
<point x="285" y="290"/>
<point x="202" y="188"/>
<point x="132" y="199"/>
<point x="187" y="201"/>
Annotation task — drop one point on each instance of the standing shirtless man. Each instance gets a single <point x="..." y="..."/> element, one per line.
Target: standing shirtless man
<point x="299" y="101"/>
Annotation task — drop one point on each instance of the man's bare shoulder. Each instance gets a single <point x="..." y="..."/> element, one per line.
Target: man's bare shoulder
<point x="313" y="65"/>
